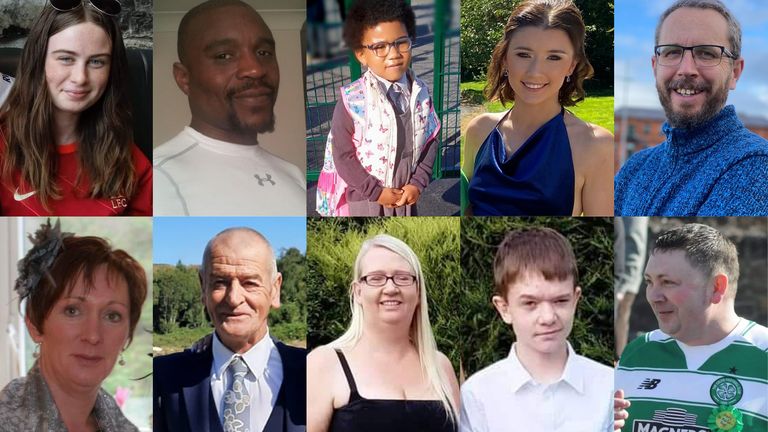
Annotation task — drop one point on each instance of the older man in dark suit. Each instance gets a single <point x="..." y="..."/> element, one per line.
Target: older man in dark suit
<point x="243" y="380"/>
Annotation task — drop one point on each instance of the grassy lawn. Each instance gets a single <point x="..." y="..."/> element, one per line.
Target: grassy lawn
<point x="596" y="108"/>
<point x="179" y="339"/>
<point x="182" y="338"/>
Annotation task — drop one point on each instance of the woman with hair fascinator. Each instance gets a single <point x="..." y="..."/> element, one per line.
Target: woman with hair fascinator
<point x="82" y="301"/>
<point x="66" y="128"/>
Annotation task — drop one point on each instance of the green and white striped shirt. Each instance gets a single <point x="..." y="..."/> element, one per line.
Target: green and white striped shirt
<point x="674" y="387"/>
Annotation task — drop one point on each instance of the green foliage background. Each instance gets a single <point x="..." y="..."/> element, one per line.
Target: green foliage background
<point x="458" y="267"/>
<point x="180" y="318"/>
<point x="480" y="337"/>
<point x="482" y="26"/>
<point x="332" y="245"/>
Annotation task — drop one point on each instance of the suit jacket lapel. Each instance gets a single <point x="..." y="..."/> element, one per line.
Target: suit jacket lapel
<point x="291" y="401"/>
<point x="200" y="407"/>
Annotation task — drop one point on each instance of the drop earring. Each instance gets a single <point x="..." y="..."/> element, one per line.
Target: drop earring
<point x="121" y="362"/>
<point x="568" y="78"/>
<point x="504" y="74"/>
<point x="36" y="353"/>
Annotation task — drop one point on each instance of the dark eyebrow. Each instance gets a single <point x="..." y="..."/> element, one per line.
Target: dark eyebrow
<point x="74" y="54"/>
<point x="524" y="48"/>
<point x="82" y="299"/>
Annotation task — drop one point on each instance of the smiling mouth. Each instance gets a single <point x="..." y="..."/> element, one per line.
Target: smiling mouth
<point x="391" y="303"/>
<point x="533" y="86"/>
<point x="77" y="94"/>
<point x="686" y="92"/>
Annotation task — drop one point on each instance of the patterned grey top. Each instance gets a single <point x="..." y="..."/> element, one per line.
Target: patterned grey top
<point x="26" y="405"/>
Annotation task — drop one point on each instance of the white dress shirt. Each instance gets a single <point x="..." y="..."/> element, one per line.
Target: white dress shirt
<point x="403" y="83"/>
<point x="504" y="398"/>
<point x="263" y="380"/>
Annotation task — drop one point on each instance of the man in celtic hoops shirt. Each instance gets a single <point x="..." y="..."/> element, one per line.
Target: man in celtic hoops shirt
<point x="705" y="369"/>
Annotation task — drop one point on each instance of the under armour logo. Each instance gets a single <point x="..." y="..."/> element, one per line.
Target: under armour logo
<point x="262" y="180"/>
<point x="649" y="384"/>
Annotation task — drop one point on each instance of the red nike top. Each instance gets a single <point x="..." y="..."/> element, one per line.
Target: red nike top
<point x="20" y="200"/>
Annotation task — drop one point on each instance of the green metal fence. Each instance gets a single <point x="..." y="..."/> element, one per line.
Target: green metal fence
<point x="437" y="37"/>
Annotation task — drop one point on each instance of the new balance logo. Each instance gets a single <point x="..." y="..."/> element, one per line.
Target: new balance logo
<point x="649" y="384"/>
<point x="262" y="180"/>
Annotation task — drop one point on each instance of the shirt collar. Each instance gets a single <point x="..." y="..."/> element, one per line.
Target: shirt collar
<point x="520" y="377"/>
<point x="403" y="82"/>
<point x="684" y="141"/>
<point x="222" y="147"/>
<point x="256" y="358"/>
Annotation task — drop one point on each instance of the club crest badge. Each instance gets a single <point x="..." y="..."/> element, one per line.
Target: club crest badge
<point x="726" y="392"/>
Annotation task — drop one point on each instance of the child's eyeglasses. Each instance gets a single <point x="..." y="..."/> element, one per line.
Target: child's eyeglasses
<point x="107" y="7"/>
<point x="381" y="49"/>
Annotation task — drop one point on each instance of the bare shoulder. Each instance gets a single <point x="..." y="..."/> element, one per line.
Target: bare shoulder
<point x="479" y="127"/>
<point x="445" y="363"/>
<point x="321" y="358"/>
<point x="588" y="138"/>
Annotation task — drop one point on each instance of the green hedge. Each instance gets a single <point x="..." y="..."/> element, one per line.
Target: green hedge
<point x="482" y="26"/>
<point x="332" y="245"/>
<point x="480" y="337"/>
<point x="459" y="272"/>
<point x="179" y="313"/>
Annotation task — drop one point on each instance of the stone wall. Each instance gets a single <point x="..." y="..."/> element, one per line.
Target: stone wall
<point x="17" y="16"/>
<point x="751" y="238"/>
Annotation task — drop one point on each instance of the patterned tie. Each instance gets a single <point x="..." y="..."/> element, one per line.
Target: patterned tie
<point x="237" y="401"/>
<point x="398" y="98"/>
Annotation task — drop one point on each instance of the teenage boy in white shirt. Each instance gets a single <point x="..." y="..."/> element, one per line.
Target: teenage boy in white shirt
<point x="543" y="385"/>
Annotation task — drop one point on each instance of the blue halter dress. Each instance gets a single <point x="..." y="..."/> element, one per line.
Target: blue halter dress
<point x="536" y="180"/>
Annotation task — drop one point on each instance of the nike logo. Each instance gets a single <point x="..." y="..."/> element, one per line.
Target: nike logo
<point x="21" y="197"/>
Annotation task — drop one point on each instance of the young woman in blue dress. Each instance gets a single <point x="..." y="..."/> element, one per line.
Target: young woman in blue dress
<point x="537" y="158"/>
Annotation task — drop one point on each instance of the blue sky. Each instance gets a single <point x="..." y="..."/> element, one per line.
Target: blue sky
<point x="635" y="26"/>
<point x="184" y="238"/>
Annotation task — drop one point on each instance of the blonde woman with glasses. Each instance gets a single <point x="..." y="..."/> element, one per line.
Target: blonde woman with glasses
<point x="385" y="372"/>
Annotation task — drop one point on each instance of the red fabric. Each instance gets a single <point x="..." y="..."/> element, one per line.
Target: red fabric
<point x="75" y="201"/>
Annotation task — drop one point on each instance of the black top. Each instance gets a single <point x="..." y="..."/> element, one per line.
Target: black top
<point x="387" y="415"/>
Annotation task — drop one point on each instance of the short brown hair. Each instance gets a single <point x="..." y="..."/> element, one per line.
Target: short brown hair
<point x="546" y="14"/>
<point x="541" y="250"/>
<point x="706" y="248"/>
<point x="734" y="28"/>
<point x="82" y="256"/>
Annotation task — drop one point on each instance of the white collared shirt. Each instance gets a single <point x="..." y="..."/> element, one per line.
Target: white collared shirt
<point x="504" y="398"/>
<point x="263" y="380"/>
<point x="403" y="83"/>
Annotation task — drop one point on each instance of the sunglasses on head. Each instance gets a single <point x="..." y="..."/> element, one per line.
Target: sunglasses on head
<point x="107" y="7"/>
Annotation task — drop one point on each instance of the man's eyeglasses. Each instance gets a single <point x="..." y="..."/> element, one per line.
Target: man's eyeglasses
<point x="379" y="280"/>
<point x="703" y="55"/>
<point x="381" y="49"/>
<point x="107" y="7"/>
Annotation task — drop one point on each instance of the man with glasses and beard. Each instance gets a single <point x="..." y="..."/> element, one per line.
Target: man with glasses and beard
<point x="228" y="69"/>
<point x="709" y="164"/>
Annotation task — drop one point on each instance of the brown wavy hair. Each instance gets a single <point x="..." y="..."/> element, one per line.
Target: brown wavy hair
<point x="105" y="129"/>
<point x="546" y="14"/>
